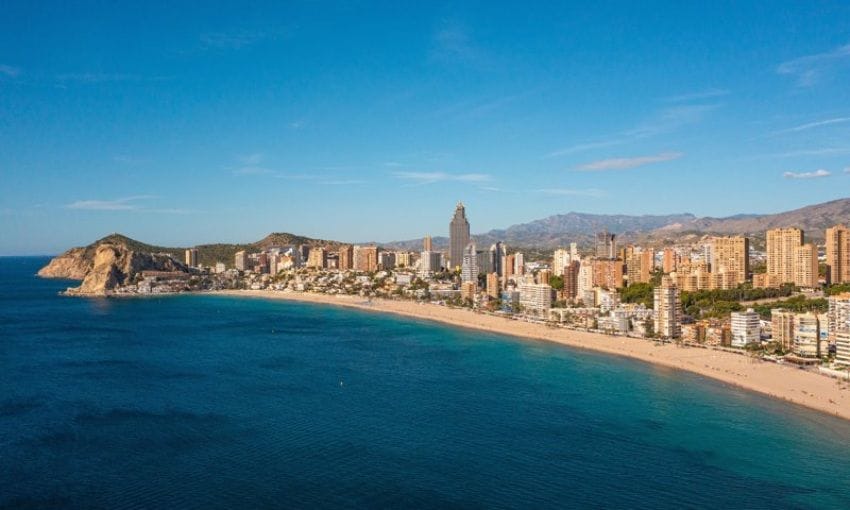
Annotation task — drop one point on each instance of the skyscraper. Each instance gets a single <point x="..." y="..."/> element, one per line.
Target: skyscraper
<point x="317" y="258"/>
<point x="519" y="264"/>
<point x="669" y="261"/>
<point x="731" y="255"/>
<point x="192" y="257"/>
<point x="241" y="260"/>
<point x="560" y="259"/>
<point x="427" y="244"/>
<point x="781" y="246"/>
<point x="666" y="312"/>
<point x="346" y="258"/>
<point x="458" y="236"/>
<point x="469" y="269"/>
<point x="606" y="246"/>
<point x="837" y="255"/>
<point x="499" y="252"/>
<point x="366" y="258"/>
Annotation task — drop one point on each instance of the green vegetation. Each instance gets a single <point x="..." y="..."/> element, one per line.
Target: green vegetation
<point x="556" y="282"/>
<point x="744" y="292"/>
<point x="794" y="304"/>
<point x="706" y="304"/>
<point x="837" y="289"/>
<point x="638" y="293"/>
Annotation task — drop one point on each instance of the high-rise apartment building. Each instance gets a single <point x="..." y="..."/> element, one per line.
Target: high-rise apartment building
<point x="560" y="259"/>
<point x="508" y="265"/>
<point x="639" y="266"/>
<point x="608" y="274"/>
<point x="366" y="258"/>
<point x="838" y="320"/>
<point x="838" y="316"/>
<point x="782" y="244"/>
<point x="731" y="255"/>
<point x="427" y="244"/>
<point x="317" y="258"/>
<point x="346" y="257"/>
<point x="745" y="328"/>
<point x="782" y="327"/>
<point x="806" y="266"/>
<point x="535" y="298"/>
<point x="543" y="276"/>
<point x="606" y="246"/>
<point x="498" y="252"/>
<point x="570" y="276"/>
<point x="430" y="262"/>
<point x="806" y="341"/>
<point x="458" y="236"/>
<point x="192" y="257"/>
<point x="241" y="260"/>
<point x="493" y="285"/>
<point x="837" y="255"/>
<point x="669" y="260"/>
<point x="403" y="259"/>
<point x="386" y="260"/>
<point x="519" y="264"/>
<point x="469" y="266"/>
<point x="667" y="310"/>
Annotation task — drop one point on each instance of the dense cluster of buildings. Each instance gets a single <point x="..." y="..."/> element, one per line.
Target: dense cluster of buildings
<point x="583" y="289"/>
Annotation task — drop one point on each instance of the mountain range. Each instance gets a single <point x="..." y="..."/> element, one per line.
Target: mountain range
<point x="561" y="229"/>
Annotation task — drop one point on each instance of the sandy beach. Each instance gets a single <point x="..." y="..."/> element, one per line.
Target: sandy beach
<point x="781" y="381"/>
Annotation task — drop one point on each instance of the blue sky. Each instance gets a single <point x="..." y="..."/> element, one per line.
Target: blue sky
<point x="362" y="121"/>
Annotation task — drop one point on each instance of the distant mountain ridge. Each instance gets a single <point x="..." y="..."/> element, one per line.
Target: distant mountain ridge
<point x="561" y="229"/>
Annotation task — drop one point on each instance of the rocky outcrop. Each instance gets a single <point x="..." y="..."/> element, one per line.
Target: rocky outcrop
<point x="73" y="265"/>
<point x="104" y="266"/>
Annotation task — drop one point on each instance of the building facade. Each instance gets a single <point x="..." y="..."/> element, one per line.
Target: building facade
<point x="731" y="255"/>
<point x="837" y="255"/>
<point x="667" y="314"/>
<point x="745" y="328"/>
<point x="458" y="236"/>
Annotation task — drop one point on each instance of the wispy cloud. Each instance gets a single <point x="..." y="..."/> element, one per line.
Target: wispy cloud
<point x="118" y="204"/>
<point x="666" y="120"/>
<point x="847" y="170"/>
<point x="434" y="177"/>
<point x="671" y="119"/>
<point x="571" y="192"/>
<point x="10" y="71"/>
<point x="809" y="70"/>
<point x="627" y="163"/>
<point x="582" y="147"/>
<point x="811" y="125"/>
<point x="824" y="151"/>
<point x="807" y="175"/>
<point x="696" y="96"/>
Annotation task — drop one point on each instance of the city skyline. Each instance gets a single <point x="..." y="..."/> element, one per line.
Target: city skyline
<point x="241" y="121"/>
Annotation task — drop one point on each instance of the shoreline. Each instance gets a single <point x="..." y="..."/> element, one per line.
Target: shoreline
<point x="782" y="382"/>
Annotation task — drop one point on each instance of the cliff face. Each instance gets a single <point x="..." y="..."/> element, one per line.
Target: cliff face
<point x="73" y="265"/>
<point x="105" y="266"/>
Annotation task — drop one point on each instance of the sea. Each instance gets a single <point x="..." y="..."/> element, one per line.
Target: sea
<point x="200" y="401"/>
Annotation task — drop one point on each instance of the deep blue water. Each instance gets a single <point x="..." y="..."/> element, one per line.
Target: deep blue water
<point x="203" y="401"/>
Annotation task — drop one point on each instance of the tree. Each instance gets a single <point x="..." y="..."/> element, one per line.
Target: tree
<point x="556" y="282"/>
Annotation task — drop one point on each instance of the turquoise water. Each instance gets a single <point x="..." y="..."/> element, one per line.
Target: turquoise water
<point x="204" y="401"/>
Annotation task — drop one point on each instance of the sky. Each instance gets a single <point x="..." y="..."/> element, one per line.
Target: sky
<point x="189" y="123"/>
